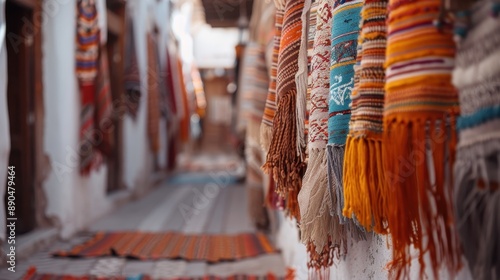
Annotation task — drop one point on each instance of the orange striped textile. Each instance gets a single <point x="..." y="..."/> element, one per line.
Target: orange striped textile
<point x="419" y="137"/>
<point x="173" y="245"/>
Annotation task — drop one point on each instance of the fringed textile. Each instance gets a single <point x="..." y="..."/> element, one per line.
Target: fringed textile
<point x="316" y="224"/>
<point x="104" y="107"/>
<point x="132" y="79"/>
<point x="365" y="191"/>
<point x="477" y="165"/>
<point x="301" y="80"/>
<point x="283" y="162"/>
<point x="266" y="128"/>
<point x="345" y="31"/>
<point x="420" y="109"/>
<point x="153" y="121"/>
<point x="87" y="54"/>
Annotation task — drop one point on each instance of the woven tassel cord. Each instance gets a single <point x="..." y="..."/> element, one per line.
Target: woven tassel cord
<point x="419" y="138"/>
<point x="477" y="166"/>
<point x="365" y="191"/>
<point x="282" y="162"/>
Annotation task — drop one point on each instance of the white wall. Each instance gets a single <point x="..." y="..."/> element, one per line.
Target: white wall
<point x="365" y="259"/>
<point x="214" y="47"/>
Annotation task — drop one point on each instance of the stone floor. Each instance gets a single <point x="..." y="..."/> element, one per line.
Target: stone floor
<point x="204" y="202"/>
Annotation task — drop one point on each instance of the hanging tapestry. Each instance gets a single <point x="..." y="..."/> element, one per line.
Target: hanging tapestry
<point x="283" y="162"/>
<point x="104" y="107"/>
<point x="153" y="121"/>
<point x="87" y="53"/>
<point x="419" y="139"/>
<point x="363" y="180"/>
<point x="132" y="79"/>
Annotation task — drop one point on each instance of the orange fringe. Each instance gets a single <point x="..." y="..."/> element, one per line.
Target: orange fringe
<point x="365" y="188"/>
<point x="319" y="263"/>
<point x="283" y="161"/>
<point x="419" y="213"/>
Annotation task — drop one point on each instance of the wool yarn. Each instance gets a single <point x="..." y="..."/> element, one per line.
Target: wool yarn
<point x="283" y="162"/>
<point x="345" y="31"/>
<point x="477" y="165"/>
<point x="364" y="182"/>
<point x="270" y="108"/>
<point x="419" y="142"/>
<point x="323" y="235"/>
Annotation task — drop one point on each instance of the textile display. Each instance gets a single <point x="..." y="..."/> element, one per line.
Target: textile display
<point x="321" y="232"/>
<point x="282" y="162"/>
<point x="421" y="106"/>
<point x="132" y="79"/>
<point x="477" y="78"/>
<point x="270" y="108"/>
<point x="104" y="106"/>
<point x="364" y="182"/>
<point x="87" y="54"/>
<point x="153" y="121"/>
<point x="345" y="31"/>
<point x="172" y="245"/>
<point x="253" y="92"/>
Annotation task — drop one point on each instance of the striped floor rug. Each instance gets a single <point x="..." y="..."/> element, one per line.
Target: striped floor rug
<point x="173" y="245"/>
<point x="33" y="275"/>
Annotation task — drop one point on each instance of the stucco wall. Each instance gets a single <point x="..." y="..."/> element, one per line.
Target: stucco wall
<point x="365" y="259"/>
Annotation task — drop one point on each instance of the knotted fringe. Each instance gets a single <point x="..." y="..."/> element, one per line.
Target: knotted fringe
<point x="365" y="188"/>
<point x="322" y="233"/>
<point x="283" y="163"/>
<point x="477" y="206"/>
<point x="418" y="160"/>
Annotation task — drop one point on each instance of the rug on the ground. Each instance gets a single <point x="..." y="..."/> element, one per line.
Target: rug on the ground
<point x="173" y="245"/>
<point x="33" y="275"/>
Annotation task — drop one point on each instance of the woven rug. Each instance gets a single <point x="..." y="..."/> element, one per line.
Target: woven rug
<point x="172" y="245"/>
<point x="33" y="275"/>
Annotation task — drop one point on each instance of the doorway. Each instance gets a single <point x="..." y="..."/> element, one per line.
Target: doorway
<point x="24" y="98"/>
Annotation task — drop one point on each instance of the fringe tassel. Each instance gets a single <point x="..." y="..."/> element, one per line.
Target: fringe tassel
<point x="365" y="189"/>
<point x="283" y="162"/>
<point x="419" y="212"/>
<point x="335" y="163"/>
<point x="320" y="261"/>
<point x="477" y="207"/>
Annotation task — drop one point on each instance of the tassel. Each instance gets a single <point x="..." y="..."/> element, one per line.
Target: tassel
<point x="418" y="173"/>
<point x="365" y="191"/>
<point x="283" y="162"/>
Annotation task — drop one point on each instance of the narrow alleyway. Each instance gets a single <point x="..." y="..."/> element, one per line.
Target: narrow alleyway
<point x="204" y="197"/>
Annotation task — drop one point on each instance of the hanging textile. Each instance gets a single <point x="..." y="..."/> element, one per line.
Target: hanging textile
<point x="283" y="162"/>
<point x="320" y="231"/>
<point x="345" y="31"/>
<point x="364" y="183"/>
<point x="87" y="52"/>
<point x="273" y="199"/>
<point x="186" y="113"/>
<point x="270" y="108"/>
<point x="153" y="120"/>
<point x="104" y="106"/>
<point x="302" y="83"/>
<point x="477" y="166"/>
<point x="132" y="79"/>
<point x="418" y="136"/>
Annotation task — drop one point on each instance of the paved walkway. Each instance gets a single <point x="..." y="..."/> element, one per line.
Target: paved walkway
<point x="204" y="202"/>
